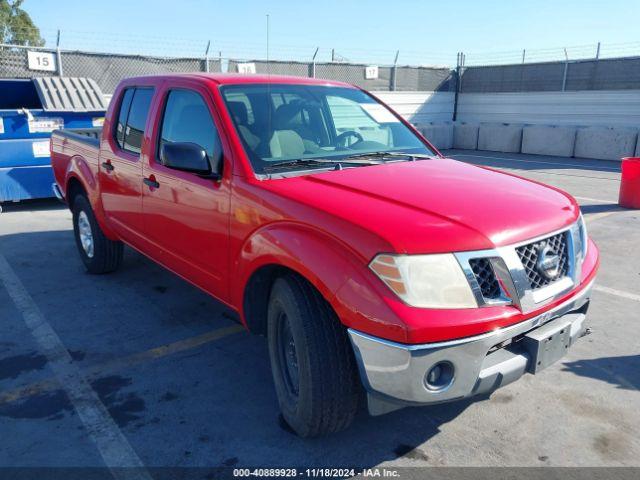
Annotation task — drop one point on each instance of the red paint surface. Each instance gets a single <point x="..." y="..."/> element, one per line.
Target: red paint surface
<point x="630" y="183"/>
<point x="326" y="226"/>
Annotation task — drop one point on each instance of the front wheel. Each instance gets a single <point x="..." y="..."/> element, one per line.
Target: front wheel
<point x="98" y="253"/>
<point x="312" y="360"/>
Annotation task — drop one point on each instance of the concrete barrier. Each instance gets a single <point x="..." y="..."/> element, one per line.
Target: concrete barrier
<point x="605" y="143"/>
<point x="548" y="140"/>
<point x="465" y="136"/>
<point x="501" y="137"/>
<point x="439" y="134"/>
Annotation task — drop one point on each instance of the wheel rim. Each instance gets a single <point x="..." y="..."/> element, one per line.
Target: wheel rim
<point x="85" y="233"/>
<point x="288" y="356"/>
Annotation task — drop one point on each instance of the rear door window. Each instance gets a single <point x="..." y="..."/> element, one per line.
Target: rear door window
<point x="137" y="118"/>
<point x="125" y="105"/>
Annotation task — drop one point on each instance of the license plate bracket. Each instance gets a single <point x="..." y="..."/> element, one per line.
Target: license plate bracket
<point x="548" y="343"/>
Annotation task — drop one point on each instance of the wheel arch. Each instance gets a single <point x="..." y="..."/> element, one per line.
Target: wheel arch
<point x="74" y="187"/>
<point x="257" y="293"/>
<point x="287" y="249"/>
<point x="80" y="178"/>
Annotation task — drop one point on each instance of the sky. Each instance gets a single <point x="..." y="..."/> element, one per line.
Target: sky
<point x="424" y="32"/>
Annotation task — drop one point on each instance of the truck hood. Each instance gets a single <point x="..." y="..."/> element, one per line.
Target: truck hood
<point x="432" y="206"/>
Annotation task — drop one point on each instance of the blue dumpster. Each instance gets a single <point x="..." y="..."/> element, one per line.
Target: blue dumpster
<point x="30" y="109"/>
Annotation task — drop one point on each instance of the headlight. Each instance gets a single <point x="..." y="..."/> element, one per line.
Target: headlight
<point x="426" y="281"/>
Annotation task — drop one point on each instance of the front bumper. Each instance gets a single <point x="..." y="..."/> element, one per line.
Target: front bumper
<point x="394" y="373"/>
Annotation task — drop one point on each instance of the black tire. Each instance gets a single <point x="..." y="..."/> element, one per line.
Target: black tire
<point x="328" y="386"/>
<point x="105" y="255"/>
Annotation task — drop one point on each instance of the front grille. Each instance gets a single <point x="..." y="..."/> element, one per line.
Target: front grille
<point x="529" y="255"/>
<point x="485" y="277"/>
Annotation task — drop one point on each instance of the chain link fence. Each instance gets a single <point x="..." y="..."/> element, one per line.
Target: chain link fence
<point x="106" y="69"/>
<point x="604" y="74"/>
<point x="402" y="78"/>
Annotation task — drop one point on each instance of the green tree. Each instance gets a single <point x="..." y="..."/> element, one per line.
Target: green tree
<point x="16" y="26"/>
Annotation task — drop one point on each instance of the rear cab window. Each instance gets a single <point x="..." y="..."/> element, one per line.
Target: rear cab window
<point x="132" y="118"/>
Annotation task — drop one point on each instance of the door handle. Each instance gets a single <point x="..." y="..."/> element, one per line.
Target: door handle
<point x="108" y="167"/>
<point x="151" y="182"/>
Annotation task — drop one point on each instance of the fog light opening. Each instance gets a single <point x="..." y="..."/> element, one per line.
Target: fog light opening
<point x="439" y="377"/>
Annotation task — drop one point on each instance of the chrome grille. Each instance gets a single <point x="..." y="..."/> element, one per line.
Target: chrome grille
<point x="485" y="277"/>
<point x="529" y="256"/>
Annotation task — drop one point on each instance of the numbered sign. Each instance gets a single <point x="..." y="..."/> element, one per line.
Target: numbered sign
<point x="245" y="68"/>
<point x="371" y="72"/>
<point x="44" y="61"/>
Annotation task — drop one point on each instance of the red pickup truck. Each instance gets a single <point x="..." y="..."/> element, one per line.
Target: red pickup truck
<point x="336" y="230"/>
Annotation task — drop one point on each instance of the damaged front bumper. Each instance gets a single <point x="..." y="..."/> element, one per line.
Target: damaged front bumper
<point x="396" y="375"/>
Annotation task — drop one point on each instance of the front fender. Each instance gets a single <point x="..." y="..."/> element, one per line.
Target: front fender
<point x="325" y="261"/>
<point x="322" y="260"/>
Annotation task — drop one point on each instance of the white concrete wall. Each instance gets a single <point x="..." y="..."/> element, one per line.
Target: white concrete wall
<point x="585" y="108"/>
<point x="591" y="124"/>
<point x="420" y="107"/>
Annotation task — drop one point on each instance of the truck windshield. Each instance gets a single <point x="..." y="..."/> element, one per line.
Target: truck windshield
<point x="281" y="122"/>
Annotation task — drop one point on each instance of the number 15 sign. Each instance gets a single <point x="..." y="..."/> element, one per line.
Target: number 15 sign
<point x="41" y="61"/>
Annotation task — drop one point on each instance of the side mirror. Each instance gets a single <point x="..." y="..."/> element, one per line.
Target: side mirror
<point x="189" y="157"/>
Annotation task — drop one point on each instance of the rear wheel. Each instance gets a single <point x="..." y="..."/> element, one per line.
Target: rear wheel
<point x="98" y="253"/>
<point x="312" y="361"/>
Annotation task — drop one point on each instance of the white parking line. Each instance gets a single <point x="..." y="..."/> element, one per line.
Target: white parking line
<point x="541" y="162"/>
<point x="600" y="200"/>
<point x="114" y="448"/>
<point x="617" y="293"/>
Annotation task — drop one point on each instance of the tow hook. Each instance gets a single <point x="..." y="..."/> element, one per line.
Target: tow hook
<point x="587" y="331"/>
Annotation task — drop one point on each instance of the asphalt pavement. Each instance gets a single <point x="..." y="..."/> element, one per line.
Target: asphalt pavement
<point x="140" y="368"/>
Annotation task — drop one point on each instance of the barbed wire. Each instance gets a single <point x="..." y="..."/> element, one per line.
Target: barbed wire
<point x="554" y="54"/>
<point x="229" y="48"/>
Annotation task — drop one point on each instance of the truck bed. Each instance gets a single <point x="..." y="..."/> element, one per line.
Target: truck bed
<point x="83" y="135"/>
<point x="83" y="144"/>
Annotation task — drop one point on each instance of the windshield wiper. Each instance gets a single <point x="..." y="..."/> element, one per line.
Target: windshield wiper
<point x="388" y="155"/>
<point x="317" y="162"/>
<point x="295" y="162"/>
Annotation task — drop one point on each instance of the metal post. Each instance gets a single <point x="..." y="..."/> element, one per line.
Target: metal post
<point x="394" y="72"/>
<point x="206" y="57"/>
<point x="268" y="64"/>
<point x="333" y="54"/>
<point x="566" y="68"/>
<point x="59" y="55"/>
<point x="457" y="78"/>
<point x="524" y="52"/>
<point x="463" y="60"/>
<point x="598" y="52"/>
<point x="313" y="63"/>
